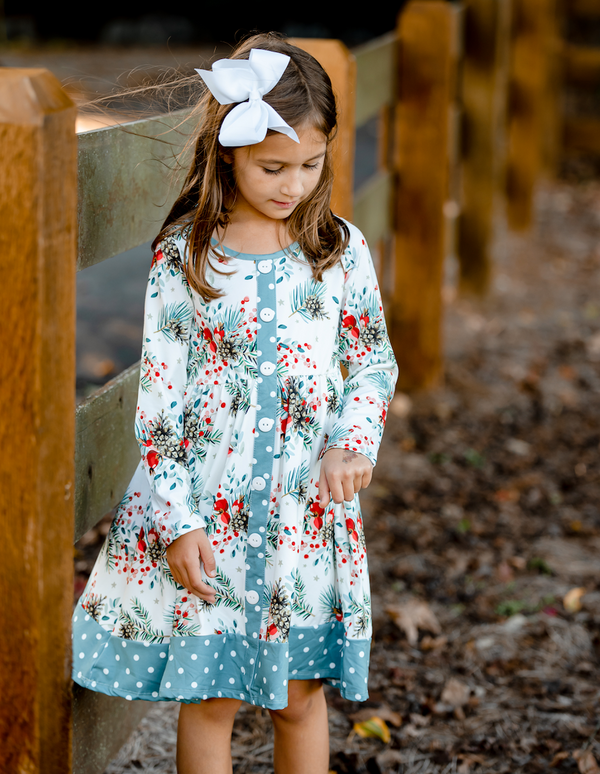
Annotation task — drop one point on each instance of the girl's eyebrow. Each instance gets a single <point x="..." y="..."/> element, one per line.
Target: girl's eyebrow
<point x="276" y="161"/>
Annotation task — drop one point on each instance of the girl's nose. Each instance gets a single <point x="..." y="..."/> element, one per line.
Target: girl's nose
<point x="292" y="185"/>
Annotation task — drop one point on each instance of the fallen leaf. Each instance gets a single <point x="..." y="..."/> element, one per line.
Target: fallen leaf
<point x="383" y="712"/>
<point x="433" y="643"/>
<point x="586" y="763"/>
<point x="412" y="616"/>
<point x="572" y="599"/>
<point x="373" y="727"/>
<point x="560" y="756"/>
<point x="455" y="693"/>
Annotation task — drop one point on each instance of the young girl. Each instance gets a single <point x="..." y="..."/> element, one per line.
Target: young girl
<point x="235" y="568"/>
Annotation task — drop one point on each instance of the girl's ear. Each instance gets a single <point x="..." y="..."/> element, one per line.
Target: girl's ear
<point x="227" y="158"/>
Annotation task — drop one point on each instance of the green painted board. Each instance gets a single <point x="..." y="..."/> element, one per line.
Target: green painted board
<point x="375" y="76"/>
<point x="373" y="207"/>
<point x="106" y="450"/>
<point x="129" y="177"/>
<point x="101" y="726"/>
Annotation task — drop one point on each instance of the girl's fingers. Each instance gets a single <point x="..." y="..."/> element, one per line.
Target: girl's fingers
<point x="323" y="489"/>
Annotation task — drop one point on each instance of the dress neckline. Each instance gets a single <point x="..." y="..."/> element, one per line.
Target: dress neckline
<point x="254" y="256"/>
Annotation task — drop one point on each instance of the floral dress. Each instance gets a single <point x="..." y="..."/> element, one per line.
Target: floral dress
<point x="239" y="398"/>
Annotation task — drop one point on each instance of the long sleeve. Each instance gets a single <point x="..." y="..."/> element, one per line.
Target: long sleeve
<point x="159" y="426"/>
<point x="364" y="348"/>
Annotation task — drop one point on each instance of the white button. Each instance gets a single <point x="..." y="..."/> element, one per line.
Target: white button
<point x="266" y="314"/>
<point x="254" y="539"/>
<point x="265" y="267"/>
<point x="258" y="483"/>
<point x="267" y="368"/>
<point x="265" y="424"/>
<point x="252" y="597"/>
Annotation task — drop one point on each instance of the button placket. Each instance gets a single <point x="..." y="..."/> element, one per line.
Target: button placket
<point x="264" y="441"/>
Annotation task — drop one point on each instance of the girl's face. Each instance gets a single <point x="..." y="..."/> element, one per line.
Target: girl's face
<point x="274" y="176"/>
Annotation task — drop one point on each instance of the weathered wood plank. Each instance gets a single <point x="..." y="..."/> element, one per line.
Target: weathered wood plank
<point x="375" y="76"/>
<point x="586" y="9"/>
<point x="582" y="135"/>
<point x="101" y="726"/>
<point x="107" y="452"/>
<point x="483" y="97"/>
<point x="128" y="180"/>
<point x="38" y="189"/>
<point x="373" y="208"/>
<point x="429" y="33"/>
<point x="582" y="65"/>
<point x="340" y="65"/>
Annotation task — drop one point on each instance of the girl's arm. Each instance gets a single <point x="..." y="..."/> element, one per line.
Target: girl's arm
<point x="365" y="350"/>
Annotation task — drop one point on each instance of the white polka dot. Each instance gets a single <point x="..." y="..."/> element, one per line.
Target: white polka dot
<point x="216" y="655"/>
<point x="93" y="683"/>
<point x="150" y="669"/>
<point x="220" y="666"/>
<point x="321" y="639"/>
<point x="332" y="665"/>
<point x="128" y="671"/>
<point x="347" y="643"/>
<point x="105" y="671"/>
<point x="155" y="694"/>
<point x="171" y="657"/>
<point x="83" y="636"/>
<point x="271" y="696"/>
<point x="274" y="667"/>
<point x="219" y="693"/>
<point x="352" y="670"/>
<point x="136" y="657"/>
<point x="82" y="655"/>
<point x="306" y="650"/>
<point x="339" y="642"/>
<point x="294" y="671"/>
<point x="124" y="644"/>
<point x="325" y="652"/>
<point x="243" y="671"/>
<point x="207" y="642"/>
<point x="357" y="696"/>
<point x="255" y="634"/>
<point x="233" y="654"/>
<point x="231" y="680"/>
<point x="162" y="655"/>
<point x="117" y="657"/>
<point x="311" y="663"/>
<point x="95" y="655"/>
<point x="205" y="696"/>
<point x="285" y="682"/>
<point x="245" y="643"/>
<point x="146" y="644"/>
<point x="194" y="685"/>
<point x="300" y="636"/>
<point x="205" y="670"/>
<point x="344" y="684"/>
<point x="75" y="618"/>
<point x="265" y="651"/>
<point x="252" y="661"/>
<point x="180" y="670"/>
<point x="286" y="653"/>
<point x="129" y="698"/>
<point x="86" y="618"/>
<point x="194" y="656"/>
<point x="182" y="643"/>
<point x="241" y="695"/>
<point x="98" y="636"/>
<point x="317" y="675"/>
<point x="362" y="654"/>
<point x="116" y="684"/>
<point x="167" y="685"/>
<point x="139" y="685"/>
<point x="79" y="674"/>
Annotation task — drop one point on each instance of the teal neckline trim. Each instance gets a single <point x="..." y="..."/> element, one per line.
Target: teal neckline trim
<point x="255" y="256"/>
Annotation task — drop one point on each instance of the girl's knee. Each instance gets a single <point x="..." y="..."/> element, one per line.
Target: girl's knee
<point x="217" y="710"/>
<point x="304" y="697"/>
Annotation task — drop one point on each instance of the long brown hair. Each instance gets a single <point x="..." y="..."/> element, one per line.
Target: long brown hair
<point x="302" y="96"/>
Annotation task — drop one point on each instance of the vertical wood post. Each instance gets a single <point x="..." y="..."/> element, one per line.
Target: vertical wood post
<point x="340" y="65"/>
<point x="484" y="81"/>
<point x="528" y="83"/>
<point x="37" y="389"/>
<point x="428" y="38"/>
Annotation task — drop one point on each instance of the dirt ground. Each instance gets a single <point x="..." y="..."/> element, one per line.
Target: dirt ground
<point x="483" y="532"/>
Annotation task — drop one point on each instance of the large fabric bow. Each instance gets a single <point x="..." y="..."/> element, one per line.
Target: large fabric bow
<point x="238" y="80"/>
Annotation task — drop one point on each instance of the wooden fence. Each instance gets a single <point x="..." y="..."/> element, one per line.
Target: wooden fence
<point x="69" y="202"/>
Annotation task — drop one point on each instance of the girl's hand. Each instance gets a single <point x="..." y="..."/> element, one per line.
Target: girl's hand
<point x="184" y="556"/>
<point x="343" y="473"/>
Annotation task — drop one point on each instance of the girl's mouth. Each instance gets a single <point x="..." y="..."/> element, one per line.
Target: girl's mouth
<point x="284" y="205"/>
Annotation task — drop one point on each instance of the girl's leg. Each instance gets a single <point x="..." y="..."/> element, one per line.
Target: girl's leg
<point x="204" y="736"/>
<point x="302" y="731"/>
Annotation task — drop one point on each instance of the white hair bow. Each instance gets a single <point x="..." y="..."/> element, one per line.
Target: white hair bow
<point x="238" y="80"/>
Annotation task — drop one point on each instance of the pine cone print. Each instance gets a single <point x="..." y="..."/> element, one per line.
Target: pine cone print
<point x="93" y="605"/>
<point x="315" y="307"/>
<point x="191" y="425"/>
<point x="164" y="439"/>
<point x="127" y="630"/>
<point x="171" y="253"/>
<point x="326" y="532"/>
<point x="280" y="611"/>
<point x="239" y="519"/>
<point x="371" y="335"/>
<point x="227" y="348"/>
<point x="155" y="551"/>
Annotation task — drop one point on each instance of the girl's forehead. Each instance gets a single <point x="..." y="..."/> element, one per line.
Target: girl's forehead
<point x="279" y="147"/>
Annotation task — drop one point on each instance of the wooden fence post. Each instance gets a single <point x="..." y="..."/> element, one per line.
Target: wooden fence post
<point x="484" y="82"/>
<point x="340" y="65"/>
<point x="527" y="104"/>
<point x="38" y="188"/>
<point x="428" y="37"/>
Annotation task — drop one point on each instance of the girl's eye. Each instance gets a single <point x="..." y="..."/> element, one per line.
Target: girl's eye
<point x="312" y="166"/>
<point x="272" y="171"/>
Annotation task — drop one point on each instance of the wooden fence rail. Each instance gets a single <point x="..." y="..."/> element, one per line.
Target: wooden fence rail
<point x="61" y="469"/>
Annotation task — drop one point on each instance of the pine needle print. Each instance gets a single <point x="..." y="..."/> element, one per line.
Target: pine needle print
<point x="362" y="613"/>
<point x="225" y="592"/>
<point x="296" y="484"/>
<point x="308" y="300"/>
<point x="331" y="604"/>
<point x="137" y="624"/>
<point x="299" y="604"/>
<point x="174" y="321"/>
